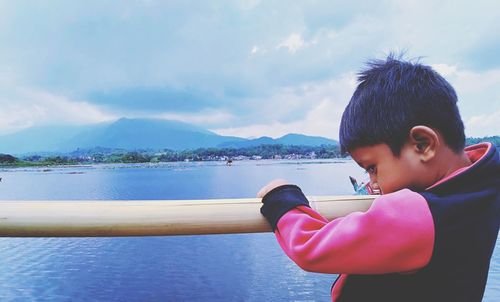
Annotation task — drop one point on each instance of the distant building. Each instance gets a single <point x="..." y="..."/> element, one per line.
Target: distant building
<point x="241" y="157"/>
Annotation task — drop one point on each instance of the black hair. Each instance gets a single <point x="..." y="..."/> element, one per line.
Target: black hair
<point x="392" y="97"/>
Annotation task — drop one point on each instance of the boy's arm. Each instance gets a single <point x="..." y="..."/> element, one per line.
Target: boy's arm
<point x="395" y="235"/>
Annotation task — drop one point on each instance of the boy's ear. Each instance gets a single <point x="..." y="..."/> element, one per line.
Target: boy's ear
<point x="425" y="142"/>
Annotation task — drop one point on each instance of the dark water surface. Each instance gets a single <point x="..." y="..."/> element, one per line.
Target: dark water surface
<point x="246" y="267"/>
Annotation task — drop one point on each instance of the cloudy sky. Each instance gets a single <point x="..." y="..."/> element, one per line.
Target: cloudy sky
<point x="246" y="68"/>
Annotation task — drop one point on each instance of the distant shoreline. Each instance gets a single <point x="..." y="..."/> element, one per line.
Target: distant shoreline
<point x="108" y="156"/>
<point x="259" y="162"/>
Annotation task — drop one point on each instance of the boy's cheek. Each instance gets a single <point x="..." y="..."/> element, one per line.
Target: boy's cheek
<point x="389" y="185"/>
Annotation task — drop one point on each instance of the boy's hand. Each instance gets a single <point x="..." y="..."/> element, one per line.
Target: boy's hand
<point x="273" y="184"/>
<point x="278" y="197"/>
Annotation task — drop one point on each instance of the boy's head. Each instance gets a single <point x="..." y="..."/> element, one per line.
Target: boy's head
<point x="401" y="115"/>
<point x="392" y="97"/>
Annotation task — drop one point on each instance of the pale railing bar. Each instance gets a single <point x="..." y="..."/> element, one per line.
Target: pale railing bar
<point x="152" y="217"/>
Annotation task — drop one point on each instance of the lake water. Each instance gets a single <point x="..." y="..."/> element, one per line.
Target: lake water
<point x="244" y="267"/>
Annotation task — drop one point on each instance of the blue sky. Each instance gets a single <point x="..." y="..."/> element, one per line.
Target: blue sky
<point x="246" y="68"/>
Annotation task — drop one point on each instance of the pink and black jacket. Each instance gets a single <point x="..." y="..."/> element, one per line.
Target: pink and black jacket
<point x="434" y="245"/>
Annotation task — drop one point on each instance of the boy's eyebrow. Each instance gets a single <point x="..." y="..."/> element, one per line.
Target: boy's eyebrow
<point x="365" y="163"/>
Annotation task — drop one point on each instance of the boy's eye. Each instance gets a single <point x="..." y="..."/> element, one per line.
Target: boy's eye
<point x="371" y="170"/>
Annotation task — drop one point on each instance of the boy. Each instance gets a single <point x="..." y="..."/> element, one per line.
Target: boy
<point x="431" y="234"/>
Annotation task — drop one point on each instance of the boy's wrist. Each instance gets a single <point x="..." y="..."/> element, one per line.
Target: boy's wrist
<point x="280" y="200"/>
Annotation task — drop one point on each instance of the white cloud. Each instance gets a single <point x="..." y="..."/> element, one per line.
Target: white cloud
<point x="483" y="125"/>
<point x="248" y="4"/>
<point x="478" y="98"/>
<point x="255" y="49"/>
<point x="275" y="129"/>
<point x="469" y="81"/>
<point x="23" y="108"/>
<point x="322" y="120"/>
<point x="323" y="103"/>
<point x="293" y="43"/>
<point x="205" y="117"/>
<point x="444" y="69"/>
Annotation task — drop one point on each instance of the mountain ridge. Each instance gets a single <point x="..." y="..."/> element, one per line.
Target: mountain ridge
<point x="133" y="134"/>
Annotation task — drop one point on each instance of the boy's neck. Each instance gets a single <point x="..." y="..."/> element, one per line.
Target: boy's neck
<point x="449" y="162"/>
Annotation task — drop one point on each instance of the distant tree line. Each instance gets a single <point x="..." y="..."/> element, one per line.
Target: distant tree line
<point x="203" y="154"/>
<point x="263" y="151"/>
<point x="495" y="140"/>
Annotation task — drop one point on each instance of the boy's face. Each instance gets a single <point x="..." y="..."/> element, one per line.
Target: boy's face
<point x="390" y="173"/>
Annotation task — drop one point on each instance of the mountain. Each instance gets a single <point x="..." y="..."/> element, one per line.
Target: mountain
<point x="300" y="139"/>
<point x="133" y="134"/>
<point x="46" y="138"/>
<point x="289" y="139"/>
<point x="149" y="134"/>
<point x="248" y="142"/>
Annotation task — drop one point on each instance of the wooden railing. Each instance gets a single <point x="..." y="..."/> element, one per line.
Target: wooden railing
<point x="152" y="217"/>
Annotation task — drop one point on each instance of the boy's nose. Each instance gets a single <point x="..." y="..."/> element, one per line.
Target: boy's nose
<point x="375" y="189"/>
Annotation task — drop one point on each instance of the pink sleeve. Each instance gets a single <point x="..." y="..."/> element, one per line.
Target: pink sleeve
<point x="395" y="235"/>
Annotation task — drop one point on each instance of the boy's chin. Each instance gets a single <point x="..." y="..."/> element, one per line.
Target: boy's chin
<point x="414" y="188"/>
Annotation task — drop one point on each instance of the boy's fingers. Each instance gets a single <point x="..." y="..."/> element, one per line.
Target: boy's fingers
<point x="273" y="184"/>
<point x="261" y="193"/>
